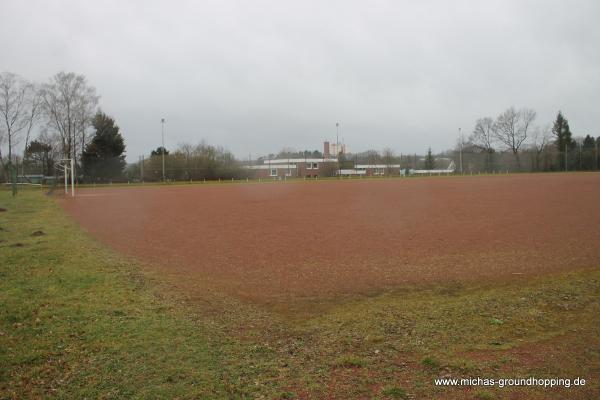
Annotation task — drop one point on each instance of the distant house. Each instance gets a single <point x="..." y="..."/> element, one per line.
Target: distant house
<point x="294" y="168"/>
<point x="282" y="168"/>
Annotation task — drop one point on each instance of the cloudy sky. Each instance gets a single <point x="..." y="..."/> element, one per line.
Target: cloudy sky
<point x="258" y="76"/>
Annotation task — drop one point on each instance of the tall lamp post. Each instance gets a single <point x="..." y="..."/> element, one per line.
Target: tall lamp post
<point x="162" y="121"/>
<point x="460" y="149"/>
<point x="337" y="139"/>
<point x="337" y="146"/>
<point x="597" y="140"/>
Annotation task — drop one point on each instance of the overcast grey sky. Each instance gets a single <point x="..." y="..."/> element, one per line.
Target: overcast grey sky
<point x="257" y="76"/>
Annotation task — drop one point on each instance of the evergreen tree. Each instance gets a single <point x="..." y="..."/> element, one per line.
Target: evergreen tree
<point x="429" y="160"/>
<point x="159" y="151"/>
<point x="588" y="142"/>
<point x="588" y="149"/>
<point x="103" y="158"/>
<point x="564" y="140"/>
<point x="38" y="155"/>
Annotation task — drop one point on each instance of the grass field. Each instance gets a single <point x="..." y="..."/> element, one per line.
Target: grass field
<point x="79" y="320"/>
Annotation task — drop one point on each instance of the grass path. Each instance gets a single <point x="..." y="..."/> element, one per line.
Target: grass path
<point x="79" y="321"/>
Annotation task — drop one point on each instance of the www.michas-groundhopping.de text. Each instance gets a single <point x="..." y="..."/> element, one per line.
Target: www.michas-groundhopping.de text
<point x="509" y="382"/>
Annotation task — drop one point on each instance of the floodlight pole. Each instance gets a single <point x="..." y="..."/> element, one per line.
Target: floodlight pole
<point x="162" y="121"/>
<point x="597" y="140"/>
<point x="337" y="139"/>
<point x="460" y="149"/>
<point x="337" y="146"/>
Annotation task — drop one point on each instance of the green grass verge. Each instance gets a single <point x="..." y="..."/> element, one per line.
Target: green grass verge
<point x="76" y="321"/>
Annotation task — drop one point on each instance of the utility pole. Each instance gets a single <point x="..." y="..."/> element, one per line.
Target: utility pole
<point x="597" y="140"/>
<point x="566" y="157"/>
<point x="460" y="149"/>
<point x="337" y="140"/>
<point x="162" y="121"/>
<point x="142" y="169"/>
<point x="337" y="146"/>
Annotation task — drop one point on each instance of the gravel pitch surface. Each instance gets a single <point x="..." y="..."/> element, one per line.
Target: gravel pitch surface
<point x="282" y="241"/>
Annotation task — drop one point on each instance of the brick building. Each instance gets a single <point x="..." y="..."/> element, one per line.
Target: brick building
<point x="295" y="168"/>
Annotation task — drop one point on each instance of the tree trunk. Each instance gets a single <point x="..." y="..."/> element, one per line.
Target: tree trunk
<point x="518" y="158"/>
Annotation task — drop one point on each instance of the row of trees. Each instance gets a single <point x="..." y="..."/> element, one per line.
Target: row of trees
<point x="62" y="111"/>
<point x="102" y="160"/>
<point x="187" y="162"/>
<point x="533" y="148"/>
<point x="509" y="142"/>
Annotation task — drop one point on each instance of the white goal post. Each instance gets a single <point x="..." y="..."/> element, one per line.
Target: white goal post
<point x="68" y="167"/>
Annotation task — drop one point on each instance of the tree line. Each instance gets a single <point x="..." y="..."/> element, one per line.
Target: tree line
<point x="512" y="142"/>
<point x="64" y="113"/>
<point x="187" y="162"/>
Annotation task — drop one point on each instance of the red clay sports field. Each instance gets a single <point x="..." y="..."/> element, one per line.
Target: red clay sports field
<point x="283" y="241"/>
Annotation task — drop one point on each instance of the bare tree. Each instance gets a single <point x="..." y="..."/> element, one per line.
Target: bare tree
<point x="511" y="129"/>
<point x="186" y="149"/>
<point x="372" y="156"/>
<point x="483" y="138"/>
<point x="69" y="105"/>
<point x="33" y="113"/>
<point x="15" y="104"/>
<point x="388" y="158"/>
<point x="540" y="138"/>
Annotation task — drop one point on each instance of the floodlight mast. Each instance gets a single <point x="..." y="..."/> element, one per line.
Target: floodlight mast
<point x="337" y="146"/>
<point x="460" y="138"/>
<point x="337" y="138"/>
<point x="162" y="121"/>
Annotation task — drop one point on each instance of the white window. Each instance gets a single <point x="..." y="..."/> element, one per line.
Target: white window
<point x="309" y="165"/>
<point x="273" y="172"/>
<point x="315" y="166"/>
